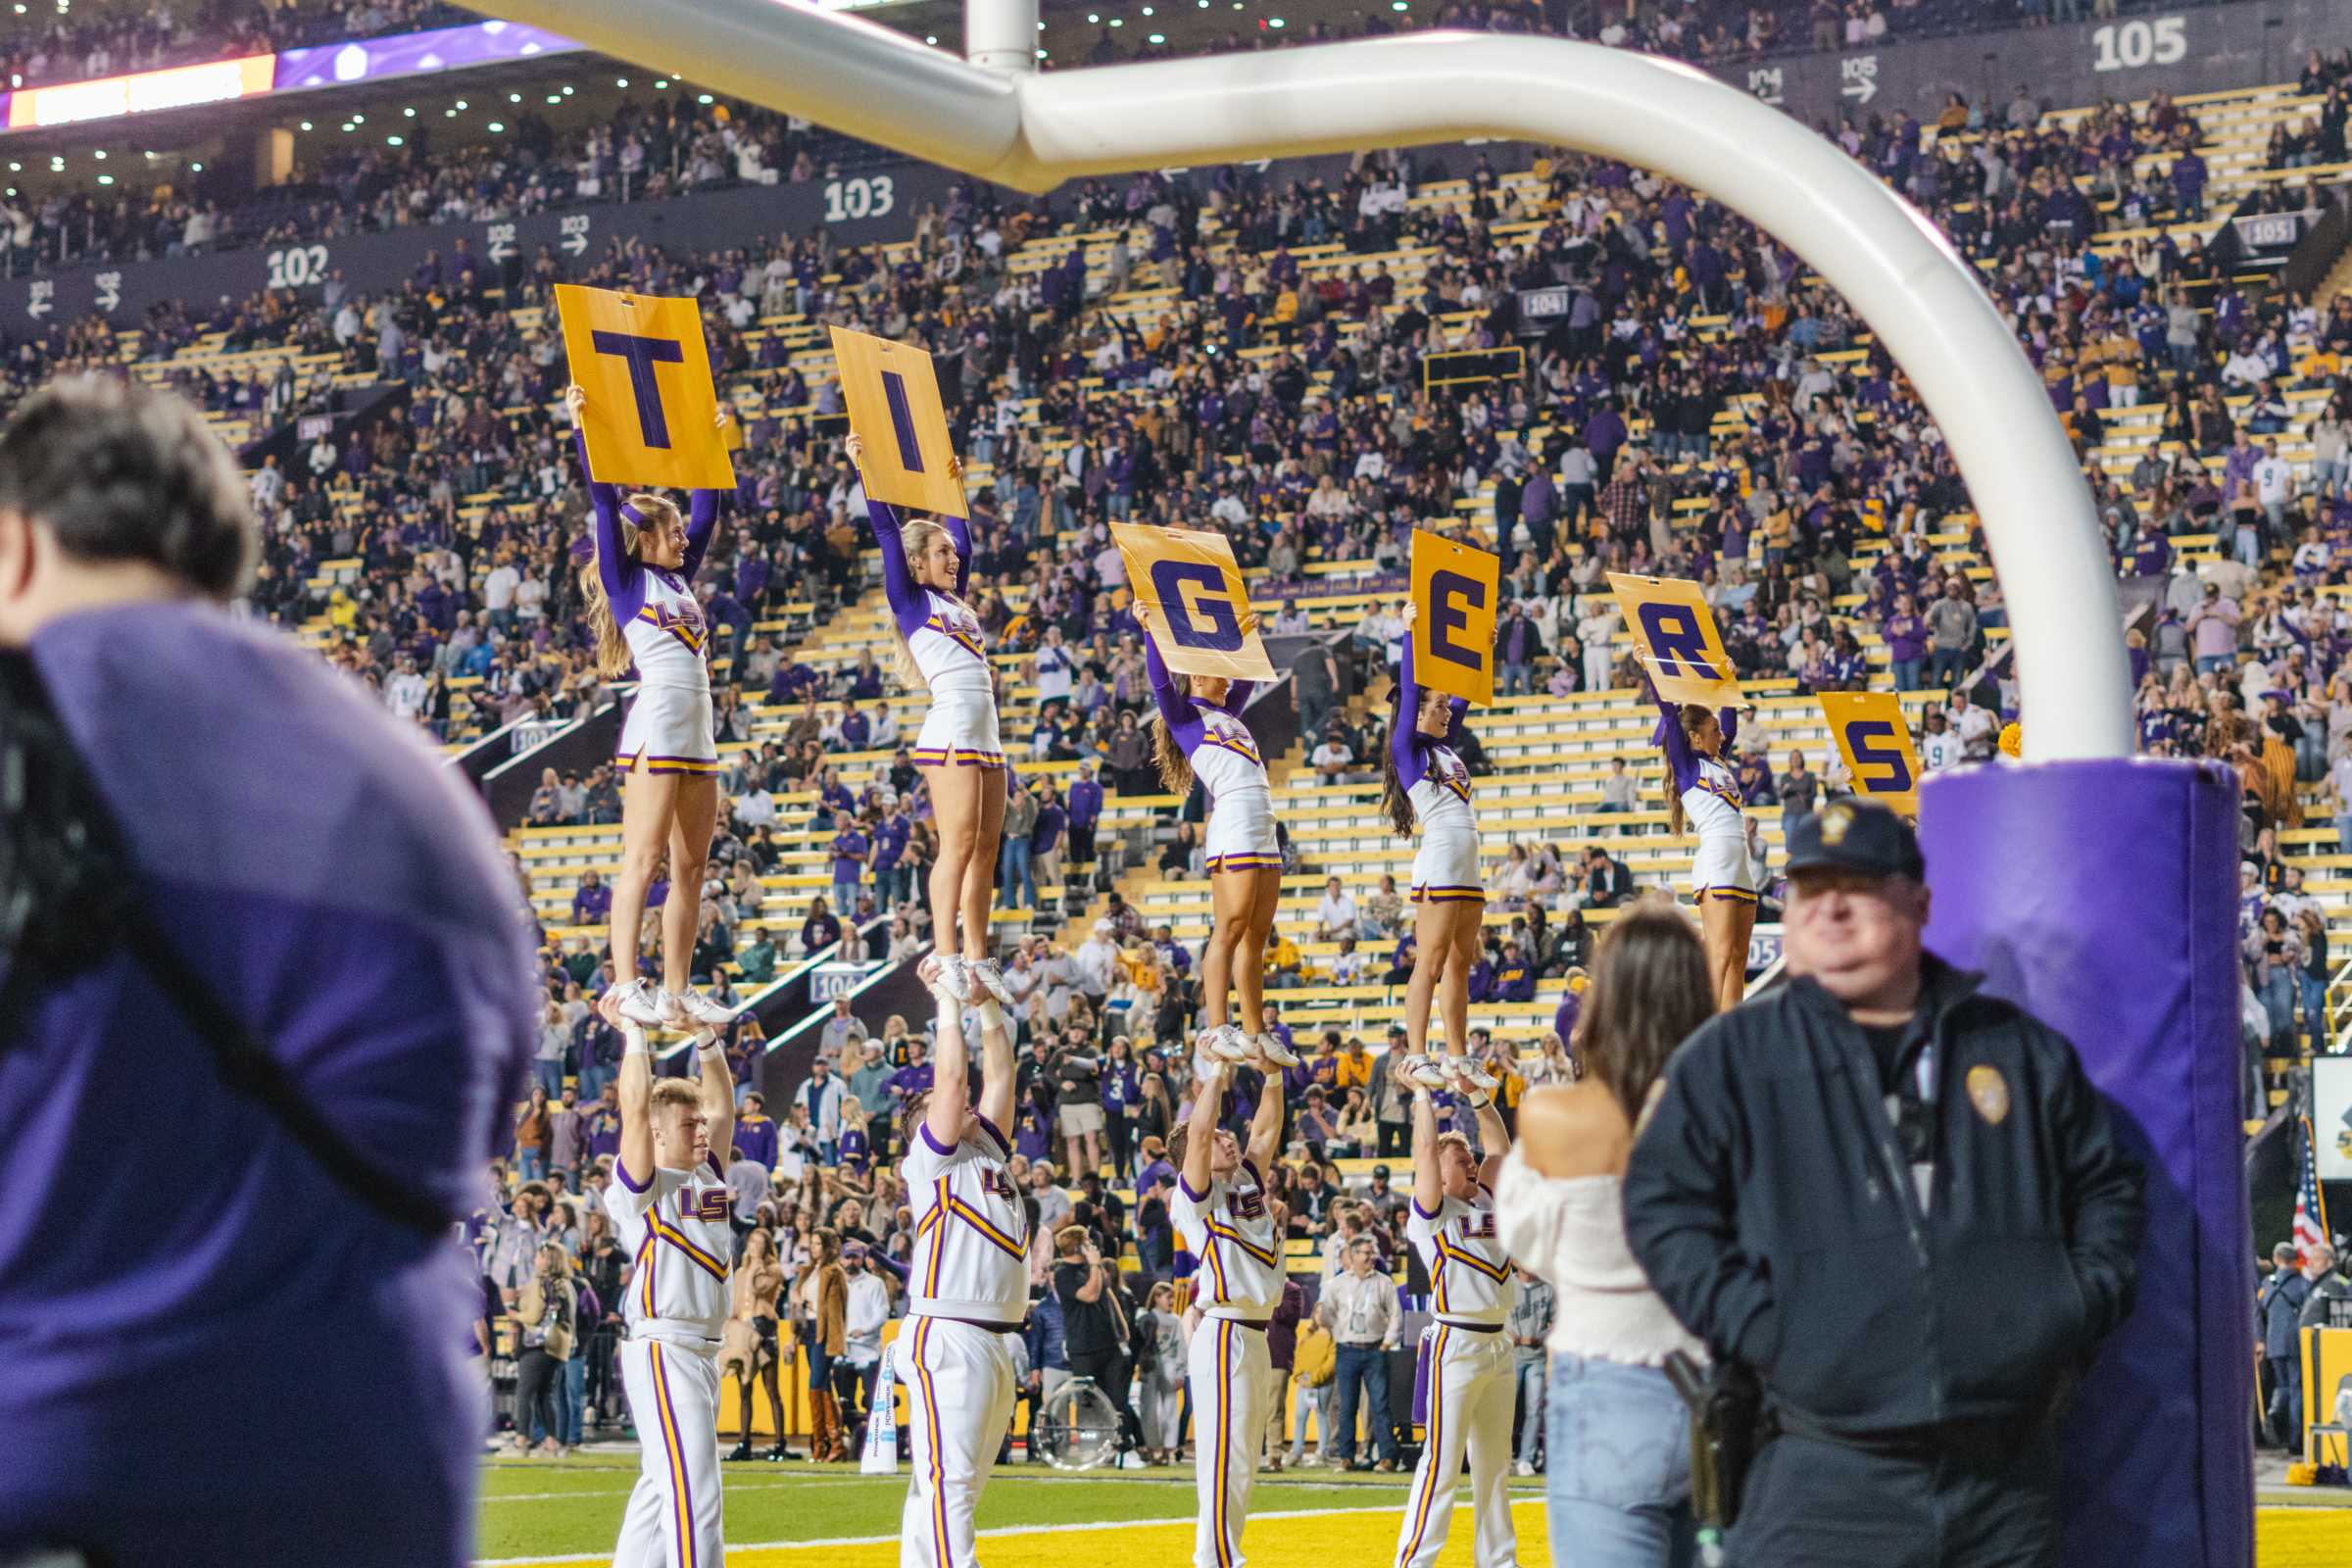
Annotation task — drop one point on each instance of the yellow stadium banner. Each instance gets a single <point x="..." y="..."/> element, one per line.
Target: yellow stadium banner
<point x="1190" y="599"/>
<point x="651" y="410"/>
<point x="1675" y="632"/>
<point x="1876" y="741"/>
<point x="893" y="395"/>
<point x="1455" y="590"/>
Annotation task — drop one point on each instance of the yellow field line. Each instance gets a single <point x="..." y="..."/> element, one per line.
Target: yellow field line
<point x="2285" y="1538"/>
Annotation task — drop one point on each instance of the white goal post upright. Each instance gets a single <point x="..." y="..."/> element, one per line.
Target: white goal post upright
<point x="1001" y="121"/>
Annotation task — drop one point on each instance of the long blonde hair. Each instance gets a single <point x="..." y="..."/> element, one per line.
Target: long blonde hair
<point x="612" y="657"/>
<point x="914" y="537"/>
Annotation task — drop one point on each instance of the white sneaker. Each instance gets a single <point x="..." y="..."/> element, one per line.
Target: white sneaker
<point x="1230" y="1043"/>
<point x="1274" y="1050"/>
<point x="1465" y="1071"/>
<point x="955" y="976"/>
<point x="1523" y="1468"/>
<point x="701" y="1008"/>
<point x="990" y="979"/>
<point x="1132" y="1461"/>
<point x="1422" y="1072"/>
<point x="642" y="1002"/>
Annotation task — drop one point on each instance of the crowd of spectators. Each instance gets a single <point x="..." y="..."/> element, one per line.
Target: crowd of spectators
<point x="101" y="38"/>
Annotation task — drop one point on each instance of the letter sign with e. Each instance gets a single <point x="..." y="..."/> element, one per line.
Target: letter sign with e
<point x="1455" y="591"/>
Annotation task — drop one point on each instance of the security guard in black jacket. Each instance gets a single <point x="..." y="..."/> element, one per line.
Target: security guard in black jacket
<point x="1900" y="1201"/>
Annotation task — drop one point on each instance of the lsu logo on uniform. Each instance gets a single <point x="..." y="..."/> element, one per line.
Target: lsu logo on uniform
<point x="1478" y="1225"/>
<point x="710" y="1204"/>
<point x="1456" y="591"/>
<point x="651" y="410"/>
<point x="1190" y="599"/>
<point x="1875" y="740"/>
<point x="1251" y="1204"/>
<point x="993" y="1182"/>
<point x="1675" y="630"/>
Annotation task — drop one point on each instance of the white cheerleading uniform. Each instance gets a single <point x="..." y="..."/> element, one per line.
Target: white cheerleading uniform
<point x="968" y="1288"/>
<point x="1438" y="783"/>
<point x="675" y="1229"/>
<point x="1224" y="758"/>
<point x="1711" y="805"/>
<point x="1468" y="1383"/>
<point x="1446" y="865"/>
<point x="670" y="729"/>
<point x="945" y="637"/>
<point x="1230" y="1229"/>
<point x="669" y="724"/>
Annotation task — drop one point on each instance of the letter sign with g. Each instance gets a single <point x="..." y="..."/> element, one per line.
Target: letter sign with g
<point x="1200" y="613"/>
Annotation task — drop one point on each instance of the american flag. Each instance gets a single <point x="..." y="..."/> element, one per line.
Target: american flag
<point x="2311" y="1219"/>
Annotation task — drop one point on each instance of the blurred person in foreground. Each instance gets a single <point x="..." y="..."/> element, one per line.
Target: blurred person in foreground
<point x="1899" y="1202"/>
<point x="1617" y="1463"/>
<point x="329" y="908"/>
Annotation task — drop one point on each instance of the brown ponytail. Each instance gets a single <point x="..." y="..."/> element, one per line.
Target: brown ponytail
<point x="1175" y="768"/>
<point x="1395" y="800"/>
<point x="1691" y="717"/>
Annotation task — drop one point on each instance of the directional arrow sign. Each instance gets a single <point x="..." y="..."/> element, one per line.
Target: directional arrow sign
<point x="1863" y="90"/>
<point x="109" y="291"/>
<point x="37" y="304"/>
<point x="501" y="251"/>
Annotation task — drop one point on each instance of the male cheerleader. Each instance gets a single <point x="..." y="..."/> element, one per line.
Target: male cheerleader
<point x="1222" y="1213"/>
<point x="1466" y="1362"/>
<point x="969" y="1286"/>
<point x="671" y="1205"/>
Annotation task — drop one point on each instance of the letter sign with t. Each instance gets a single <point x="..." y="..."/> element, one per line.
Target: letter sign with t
<point x="891" y="393"/>
<point x="1676" y="633"/>
<point x="1455" y="590"/>
<point x="1190" y="599"/>
<point x="1875" y="739"/>
<point x="652" y="412"/>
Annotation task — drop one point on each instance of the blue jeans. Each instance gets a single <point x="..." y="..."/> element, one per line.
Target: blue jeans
<point x="1362" y="1368"/>
<point x="1947" y="666"/>
<point x="845" y="901"/>
<point x="572" y="1396"/>
<point x="1617" y="1479"/>
<point x="2277" y="991"/>
<point x="2344" y="834"/>
<point x="531" y="1164"/>
<point x="1907" y="674"/>
<point x="550" y="1076"/>
<point x="593" y="1078"/>
<point x="2315" y="1009"/>
<point x="1014" y="875"/>
<point x="1532" y="1376"/>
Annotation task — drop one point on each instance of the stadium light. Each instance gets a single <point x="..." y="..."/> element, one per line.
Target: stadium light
<point x="998" y="117"/>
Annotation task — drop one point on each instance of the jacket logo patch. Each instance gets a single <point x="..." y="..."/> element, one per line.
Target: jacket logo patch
<point x="1988" y="1092"/>
<point x="1836" y="824"/>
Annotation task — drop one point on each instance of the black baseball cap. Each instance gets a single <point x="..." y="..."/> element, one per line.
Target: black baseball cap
<point x="1855" y="836"/>
<point x="1379" y="1172"/>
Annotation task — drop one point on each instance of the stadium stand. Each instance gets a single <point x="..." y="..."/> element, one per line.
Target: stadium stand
<point x="1270" y="357"/>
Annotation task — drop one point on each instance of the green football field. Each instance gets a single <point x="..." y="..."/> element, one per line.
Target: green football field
<point x="533" y="1509"/>
<point x="809" y="1516"/>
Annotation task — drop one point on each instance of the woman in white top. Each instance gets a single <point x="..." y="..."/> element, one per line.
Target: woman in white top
<point x="1617" y="1486"/>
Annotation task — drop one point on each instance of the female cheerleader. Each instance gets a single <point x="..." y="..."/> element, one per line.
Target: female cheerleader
<point x="1199" y="732"/>
<point x="1702" y="790"/>
<point x="925" y="566"/>
<point x="1425" y="784"/>
<point x="639" y="597"/>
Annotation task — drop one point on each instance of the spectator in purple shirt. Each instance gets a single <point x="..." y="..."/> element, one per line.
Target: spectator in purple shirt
<point x="592" y="904"/>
